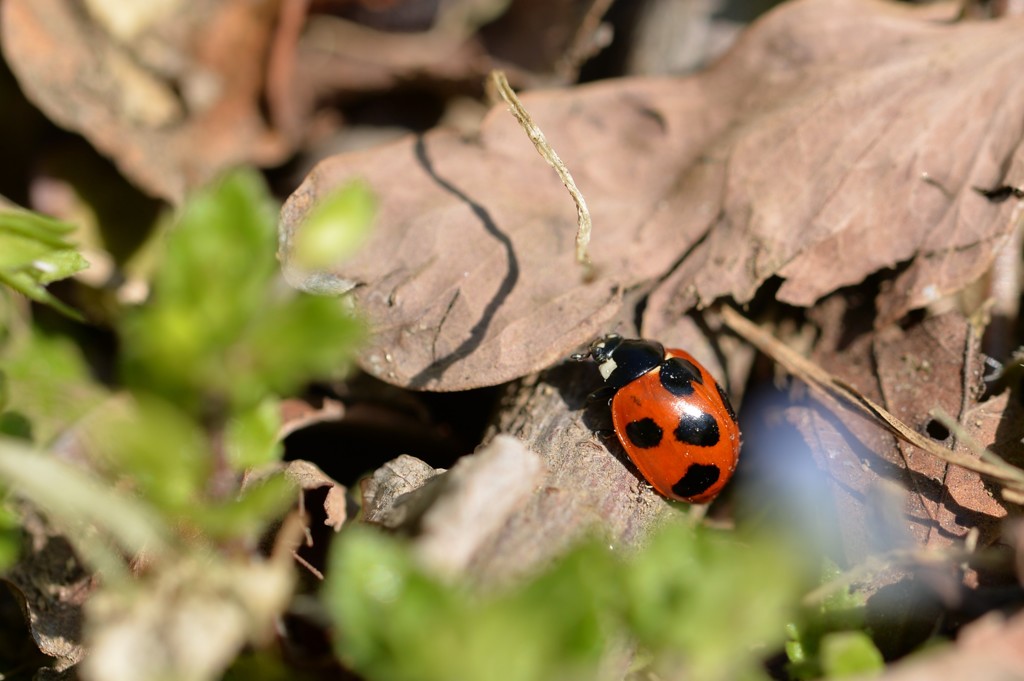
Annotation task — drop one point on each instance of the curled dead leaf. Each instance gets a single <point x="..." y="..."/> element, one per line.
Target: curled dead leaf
<point x="308" y="476"/>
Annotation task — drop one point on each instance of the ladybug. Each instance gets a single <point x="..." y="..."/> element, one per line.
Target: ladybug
<point x="672" y="418"/>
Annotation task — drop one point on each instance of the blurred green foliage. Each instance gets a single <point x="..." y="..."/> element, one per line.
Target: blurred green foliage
<point x="10" y="537"/>
<point x="49" y="384"/>
<point x="699" y="604"/>
<point x="830" y="640"/>
<point x="251" y="438"/>
<point x="261" y="666"/>
<point x="103" y="523"/>
<point x="222" y="332"/>
<point x="336" y="227"/>
<point x="850" y="653"/>
<point x="204" y="360"/>
<point x="203" y="363"/>
<point x="44" y="382"/>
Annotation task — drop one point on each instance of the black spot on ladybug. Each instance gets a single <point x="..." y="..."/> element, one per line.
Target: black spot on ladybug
<point x="644" y="433"/>
<point x="699" y="477"/>
<point x="678" y="376"/>
<point x="700" y="430"/>
<point x="725" y="400"/>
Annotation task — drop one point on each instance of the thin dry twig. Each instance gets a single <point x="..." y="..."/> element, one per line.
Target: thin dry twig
<point x="960" y="433"/>
<point x="1011" y="477"/>
<point x="536" y="136"/>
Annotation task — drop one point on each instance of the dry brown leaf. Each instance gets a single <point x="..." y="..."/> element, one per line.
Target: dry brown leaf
<point x="469" y="278"/>
<point x="173" y="99"/>
<point x="308" y="476"/>
<point x="870" y="502"/>
<point x="797" y="156"/>
<point x="856" y="457"/>
<point x="935" y="365"/>
<point x="998" y="425"/>
<point x="865" y="402"/>
<point x="818" y="178"/>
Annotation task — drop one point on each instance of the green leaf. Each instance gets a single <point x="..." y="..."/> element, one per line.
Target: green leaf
<point x="850" y="653"/>
<point x="841" y="611"/>
<point x="14" y="424"/>
<point x="160" y="447"/>
<point x="297" y="339"/>
<point x="712" y="596"/>
<point x="25" y="235"/>
<point x="33" y="253"/>
<point x="48" y="382"/>
<point x="335" y="228"/>
<point x="251" y="438"/>
<point x="560" y="621"/>
<point x="393" y="618"/>
<point x="212" y="281"/>
<point x="59" y="265"/>
<point x="10" y="537"/>
<point x="29" y="286"/>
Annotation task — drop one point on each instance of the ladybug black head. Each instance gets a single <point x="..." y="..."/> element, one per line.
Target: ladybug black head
<point x="620" y="360"/>
<point x="602" y="348"/>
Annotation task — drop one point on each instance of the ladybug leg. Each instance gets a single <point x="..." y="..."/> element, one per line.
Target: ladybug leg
<point x="603" y="394"/>
<point x="605" y="433"/>
<point x="579" y="356"/>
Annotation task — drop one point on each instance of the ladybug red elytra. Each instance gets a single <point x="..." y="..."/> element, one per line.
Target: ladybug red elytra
<point x="671" y="416"/>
